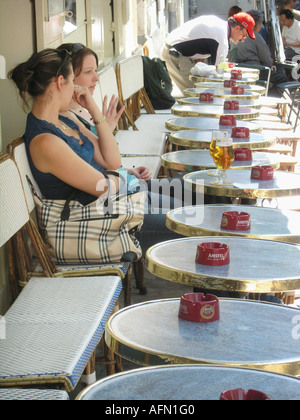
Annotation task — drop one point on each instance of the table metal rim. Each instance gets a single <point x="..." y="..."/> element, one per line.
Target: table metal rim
<point x="193" y="167"/>
<point x="175" y="127"/>
<point x="248" y="88"/>
<point x="218" y="282"/>
<point x="117" y="345"/>
<point x="194" y="144"/>
<point x="247" y="97"/>
<point x="193" y="231"/>
<point x="90" y="388"/>
<point x="249" y="116"/>
<point x="184" y="101"/>
<point x="229" y="191"/>
<point x="249" y="81"/>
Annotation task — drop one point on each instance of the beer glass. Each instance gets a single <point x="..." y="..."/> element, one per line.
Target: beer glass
<point x="223" y="156"/>
<point x="215" y="136"/>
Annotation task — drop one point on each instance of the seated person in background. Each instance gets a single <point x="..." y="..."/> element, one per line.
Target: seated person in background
<point x="256" y="51"/>
<point x="85" y="68"/>
<point x="290" y="34"/>
<point x="290" y="5"/>
<point x="234" y="10"/>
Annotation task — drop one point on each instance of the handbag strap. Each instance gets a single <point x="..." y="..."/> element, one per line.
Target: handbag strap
<point x="65" y="214"/>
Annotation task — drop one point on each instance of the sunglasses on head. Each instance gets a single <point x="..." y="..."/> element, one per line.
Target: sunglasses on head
<point x="74" y="50"/>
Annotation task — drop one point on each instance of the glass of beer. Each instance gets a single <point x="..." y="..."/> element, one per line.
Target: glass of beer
<point x="216" y="135"/>
<point x="223" y="156"/>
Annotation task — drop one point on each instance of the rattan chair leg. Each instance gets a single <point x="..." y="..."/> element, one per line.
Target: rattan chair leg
<point x="12" y="273"/>
<point x="127" y="287"/>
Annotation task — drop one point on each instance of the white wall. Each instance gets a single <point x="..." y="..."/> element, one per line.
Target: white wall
<point x="221" y="7"/>
<point x="16" y="45"/>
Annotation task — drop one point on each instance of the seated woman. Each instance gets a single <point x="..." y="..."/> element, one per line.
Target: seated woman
<point x="63" y="154"/>
<point x="85" y="67"/>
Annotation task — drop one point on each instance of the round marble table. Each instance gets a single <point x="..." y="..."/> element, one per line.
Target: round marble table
<point x="249" y="334"/>
<point x="194" y="100"/>
<point x="266" y="223"/>
<point x="257" y="266"/>
<point x="198" y="139"/>
<point x="247" y="79"/>
<point x="252" y="88"/>
<point x="213" y="111"/>
<point x="284" y="184"/>
<point x="192" y="123"/>
<point x="196" y="160"/>
<point x="223" y="93"/>
<point x="189" y="383"/>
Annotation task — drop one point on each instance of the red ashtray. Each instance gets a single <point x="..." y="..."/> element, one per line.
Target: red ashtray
<point x="227" y="120"/>
<point x="197" y="307"/>
<point x="233" y="220"/>
<point x="213" y="253"/>
<point x="240" y="394"/>
<point x="263" y="173"/>
<point x="240" y="133"/>
<point x="232" y="105"/>
<point x="242" y="154"/>
<point x="236" y="74"/>
<point x="229" y="83"/>
<point x="206" y="97"/>
<point x="238" y="90"/>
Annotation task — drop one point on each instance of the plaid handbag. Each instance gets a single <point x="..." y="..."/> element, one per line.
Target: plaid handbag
<point x="102" y="232"/>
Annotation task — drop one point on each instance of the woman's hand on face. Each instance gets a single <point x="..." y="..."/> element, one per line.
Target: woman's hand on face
<point x="110" y="111"/>
<point x="83" y="97"/>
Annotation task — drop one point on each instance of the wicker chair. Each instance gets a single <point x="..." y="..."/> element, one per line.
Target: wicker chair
<point x="137" y="148"/>
<point x="54" y="326"/>
<point x="46" y="264"/>
<point x="130" y="79"/>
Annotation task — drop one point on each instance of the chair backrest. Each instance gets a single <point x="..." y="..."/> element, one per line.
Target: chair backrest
<point x="130" y="79"/>
<point x="13" y="207"/>
<point x="98" y="96"/>
<point x="18" y="155"/>
<point x="130" y="76"/>
<point x="18" y="151"/>
<point x="108" y="82"/>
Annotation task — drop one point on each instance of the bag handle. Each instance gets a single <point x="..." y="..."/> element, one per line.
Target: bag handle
<point x="65" y="214"/>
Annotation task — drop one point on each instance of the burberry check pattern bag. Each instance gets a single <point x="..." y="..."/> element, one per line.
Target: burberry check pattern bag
<point x="102" y="232"/>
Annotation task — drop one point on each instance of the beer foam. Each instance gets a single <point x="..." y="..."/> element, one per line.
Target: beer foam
<point x="224" y="142"/>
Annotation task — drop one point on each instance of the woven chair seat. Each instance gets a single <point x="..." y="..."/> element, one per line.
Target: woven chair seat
<point x="53" y="329"/>
<point x="119" y="269"/>
<point x="139" y="143"/>
<point x="33" y="395"/>
<point x="157" y="122"/>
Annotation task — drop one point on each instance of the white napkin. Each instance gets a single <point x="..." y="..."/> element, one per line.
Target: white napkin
<point x="204" y="70"/>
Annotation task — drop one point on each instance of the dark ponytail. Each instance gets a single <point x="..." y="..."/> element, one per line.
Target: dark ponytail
<point x="33" y="77"/>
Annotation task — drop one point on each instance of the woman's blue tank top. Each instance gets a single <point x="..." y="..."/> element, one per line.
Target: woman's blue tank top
<point x="52" y="187"/>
